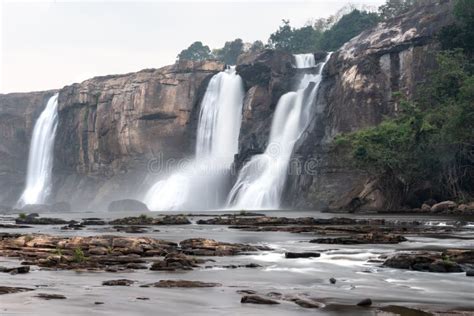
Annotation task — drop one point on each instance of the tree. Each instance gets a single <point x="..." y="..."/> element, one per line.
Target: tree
<point x="301" y="40"/>
<point x="460" y="34"/>
<point x="230" y="52"/>
<point x="393" y="8"/>
<point x="196" y="51"/>
<point x="256" y="46"/>
<point x="347" y="27"/>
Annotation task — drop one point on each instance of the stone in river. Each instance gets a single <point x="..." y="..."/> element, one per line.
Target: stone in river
<point x="255" y="299"/>
<point x="365" y="302"/>
<point x="294" y="255"/>
<point x="120" y="282"/>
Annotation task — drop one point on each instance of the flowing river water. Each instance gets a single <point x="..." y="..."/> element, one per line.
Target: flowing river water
<point x="357" y="276"/>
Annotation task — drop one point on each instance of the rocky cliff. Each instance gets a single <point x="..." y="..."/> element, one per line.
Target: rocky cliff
<point x="114" y="131"/>
<point x="357" y="92"/>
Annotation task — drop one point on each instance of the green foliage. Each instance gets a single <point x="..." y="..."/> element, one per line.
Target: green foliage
<point x="58" y="251"/>
<point x="256" y="46"/>
<point x="230" y="52"/>
<point x="294" y="40"/>
<point x="392" y="8"/>
<point x="346" y="28"/>
<point x="22" y="216"/>
<point x="460" y="34"/>
<point x="432" y="139"/>
<point x="322" y="36"/>
<point x="196" y="51"/>
<point x="78" y="255"/>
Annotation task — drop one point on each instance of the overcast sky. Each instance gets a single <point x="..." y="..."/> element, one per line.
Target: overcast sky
<point x="49" y="44"/>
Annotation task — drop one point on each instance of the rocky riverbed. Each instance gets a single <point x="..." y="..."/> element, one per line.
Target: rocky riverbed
<point x="237" y="263"/>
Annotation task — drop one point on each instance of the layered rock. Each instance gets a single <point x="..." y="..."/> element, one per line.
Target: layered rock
<point x="115" y="130"/>
<point x="357" y="92"/>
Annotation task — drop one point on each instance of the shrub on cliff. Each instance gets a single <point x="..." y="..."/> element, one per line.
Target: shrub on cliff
<point x="432" y="139"/>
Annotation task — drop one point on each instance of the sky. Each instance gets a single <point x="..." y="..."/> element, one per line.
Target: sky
<point x="49" y="44"/>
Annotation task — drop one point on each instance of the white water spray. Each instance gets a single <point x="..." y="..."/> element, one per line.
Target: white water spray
<point x="201" y="183"/>
<point x="40" y="159"/>
<point x="261" y="181"/>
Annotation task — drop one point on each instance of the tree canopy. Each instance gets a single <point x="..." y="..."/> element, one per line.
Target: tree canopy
<point x="196" y="51"/>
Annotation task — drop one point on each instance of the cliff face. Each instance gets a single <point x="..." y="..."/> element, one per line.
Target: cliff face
<point x="18" y="113"/>
<point x="113" y="128"/>
<point x="356" y="92"/>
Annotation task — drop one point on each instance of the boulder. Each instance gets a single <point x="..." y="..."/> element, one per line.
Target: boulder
<point x="365" y="302"/>
<point x="10" y="290"/>
<point x="255" y="299"/>
<point x="16" y="270"/>
<point x="47" y="296"/>
<point x="295" y="255"/>
<point x="127" y="205"/>
<point x="120" y="282"/>
<point x="182" y="284"/>
<point x="425" y="207"/>
<point x="443" y="206"/>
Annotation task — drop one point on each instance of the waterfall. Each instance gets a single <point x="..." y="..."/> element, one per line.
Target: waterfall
<point x="261" y="181"/>
<point x="202" y="182"/>
<point x="40" y="158"/>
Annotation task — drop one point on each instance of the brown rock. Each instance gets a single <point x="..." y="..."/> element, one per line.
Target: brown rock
<point x="183" y="284"/>
<point x="120" y="282"/>
<point x="255" y="299"/>
<point x="443" y="206"/>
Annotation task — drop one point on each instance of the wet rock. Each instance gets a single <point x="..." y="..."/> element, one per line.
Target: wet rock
<point x="17" y="270"/>
<point x="10" y="290"/>
<point x="182" y="284"/>
<point x="443" y="206"/>
<point x="246" y="292"/>
<point x="431" y="261"/>
<point x="173" y="220"/>
<point x="73" y="226"/>
<point x="93" y="222"/>
<point x="98" y="303"/>
<point x="275" y="295"/>
<point x="131" y="229"/>
<point x="143" y="298"/>
<point x="47" y="296"/>
<point x="371" y="238"/>
<point x="41" y="221"/>
<point x="148" y="220"/>
<point x="307" y="303"/>
<point x="332" y="280"/>
<point x="470" y="273"/>
<point x="255" y="299"/>
<point x="210" y="247"/>
<point x="365" y="302"/>
<point x="127" y="205"/>
<point x="175" y="261"/>
<point x="294" y="255"/>
<point x="425" y="207"/>
<point x="120" y="282"/>
<point x="13" y="226"/>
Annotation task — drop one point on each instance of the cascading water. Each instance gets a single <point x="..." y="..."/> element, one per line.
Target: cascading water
<point x="201" y="183"/>
<point x="260" y="182"/>
<point x="40" y="159"/>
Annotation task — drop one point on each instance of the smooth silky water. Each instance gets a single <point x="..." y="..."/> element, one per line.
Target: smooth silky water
<point x="40" y="158"/>
<point x="261" y="181"/>
<point x="356" y="278"/>
<point x="202" y="182"/>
